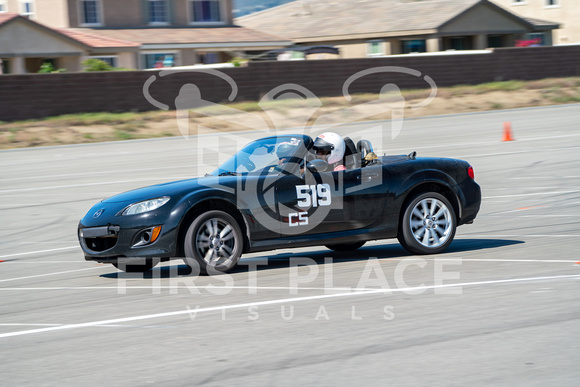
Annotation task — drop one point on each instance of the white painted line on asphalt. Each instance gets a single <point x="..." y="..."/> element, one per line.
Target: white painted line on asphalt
<point x="93" y="173"/>
<point x="163" y="180"/>
<point x="521" y="235"/>
<point x="490" y="260"/>
<point x="521" y="186"/>
<point x="30" y="325"/>
<point x="225" y="287"/>
<point x="483" y="143"/>
<point x="27" y="243"/>
<point x="39" y="252"/>
<point x="177" y="287"/>
<point x="470" y="156"/>
<point x="50" y="274"/>
<point x="540" y="178"/>
<point x="531" y="194"/>
<point x="505" y="215"/>
<point x="279" y="301"/>
<point x="18" y="262"/>
<point x="106" y="326"/>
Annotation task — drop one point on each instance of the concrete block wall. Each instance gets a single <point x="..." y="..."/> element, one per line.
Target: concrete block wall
<point x="41" y="95"/>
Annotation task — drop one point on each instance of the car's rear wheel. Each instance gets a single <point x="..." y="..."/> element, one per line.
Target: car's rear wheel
<point x="428" y="224"/>
<point x="144" y="265"/>
<point x="346" y="246"/>
<point x="213" y="243"/>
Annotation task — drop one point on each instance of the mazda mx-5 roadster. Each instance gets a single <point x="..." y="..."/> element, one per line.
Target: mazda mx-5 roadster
<point x="275" y="193"/>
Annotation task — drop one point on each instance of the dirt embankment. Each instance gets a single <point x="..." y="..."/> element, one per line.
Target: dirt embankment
<point x="98" y="127"/>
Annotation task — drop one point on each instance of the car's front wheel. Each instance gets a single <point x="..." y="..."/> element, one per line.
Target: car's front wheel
<point x="428" y="224"/>
<point x="213" y="243"/>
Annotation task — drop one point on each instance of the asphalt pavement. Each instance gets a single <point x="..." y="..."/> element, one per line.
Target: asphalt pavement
<point x="500" y="307"/>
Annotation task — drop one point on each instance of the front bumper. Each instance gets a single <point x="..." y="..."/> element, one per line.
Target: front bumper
<point x="107" y="236"/>
<point x="109" y="243"/>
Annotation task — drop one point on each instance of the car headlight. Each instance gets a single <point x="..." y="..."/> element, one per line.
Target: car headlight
<point x="144" y="206"/>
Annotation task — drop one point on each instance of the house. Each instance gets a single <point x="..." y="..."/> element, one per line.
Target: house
<point x="564" y="12"/>
<point x="367" y="28"/>
<point x="137" y="34"/>
<point x="25" y="45"/>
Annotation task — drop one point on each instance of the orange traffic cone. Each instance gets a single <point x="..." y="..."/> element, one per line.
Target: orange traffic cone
<point x="507" y="131"/>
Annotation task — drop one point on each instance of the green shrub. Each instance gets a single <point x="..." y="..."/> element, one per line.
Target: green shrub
<point x="97" y="65"/>
<point x="237" y="62"/>
<point x="46" y="68"/>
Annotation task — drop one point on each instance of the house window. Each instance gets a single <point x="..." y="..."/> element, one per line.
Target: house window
<point x="519" y="2"/>
<point x="27" y="8"/>
<point x="159" y="60"/>
<point x="376" y="48"/>
<point x="2" y="6"/>
<point x="535" y="39"/>
<point x="208" y="57"/>
<point x="416" y="45"/>
<point x="206" y="11"/>
<point x="552" y="3"/>
<point x="90" y="12"/>
<point x="494" y="41"/>
<point x="157" y="12"/>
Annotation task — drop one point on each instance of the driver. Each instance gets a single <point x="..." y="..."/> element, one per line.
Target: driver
<point x="285" y="151"/>
<point x="330" y="147"/>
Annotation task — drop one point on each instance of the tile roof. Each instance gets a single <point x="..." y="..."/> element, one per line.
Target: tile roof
<point x="135" y="37"/>
<point x="191" y="35"/>
<point x="95" y="41"/>
<point x="82" y="37"/>
<point x="7" y="16"/>
<point x="311" y="19"/>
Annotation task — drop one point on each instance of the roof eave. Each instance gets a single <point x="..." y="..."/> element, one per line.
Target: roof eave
<point x="100" y="50"/>
<point x="368" y="35"/>
<point x="217" y="45"/>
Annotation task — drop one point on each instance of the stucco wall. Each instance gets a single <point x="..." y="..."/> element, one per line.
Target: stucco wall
<point x="567" y="13"/>
<point x="132" y="13"/>
<point x="29" y="40"/>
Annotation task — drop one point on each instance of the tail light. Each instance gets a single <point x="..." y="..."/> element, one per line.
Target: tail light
<point x="470" y="172"/>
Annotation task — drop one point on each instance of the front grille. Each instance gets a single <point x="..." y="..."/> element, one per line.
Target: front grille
<point x="101" y="243"/>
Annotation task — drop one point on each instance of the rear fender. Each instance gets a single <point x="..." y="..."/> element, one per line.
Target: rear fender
<point x="429" y="180"/>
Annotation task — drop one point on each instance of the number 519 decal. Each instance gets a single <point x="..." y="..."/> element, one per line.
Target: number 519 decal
<point x="309" y="196"/>
<point x="313" y="195"/>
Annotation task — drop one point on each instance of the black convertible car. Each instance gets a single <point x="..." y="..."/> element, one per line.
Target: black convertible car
<point x="275" y="194"/>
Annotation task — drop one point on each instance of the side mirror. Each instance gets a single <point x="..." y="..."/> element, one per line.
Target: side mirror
<point x="317" y="166"/>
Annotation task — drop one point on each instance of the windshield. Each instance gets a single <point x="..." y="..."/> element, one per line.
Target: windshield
<point x="271" y="153"/>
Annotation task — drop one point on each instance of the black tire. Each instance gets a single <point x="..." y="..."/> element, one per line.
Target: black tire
<point x="428" y="224"/>
<point x="210" y="252"/>
<point x="148" y="264"/>
<point x="346" y="246"/>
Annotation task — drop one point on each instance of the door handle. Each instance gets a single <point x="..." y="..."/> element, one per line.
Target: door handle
<point x="367" y="176"/>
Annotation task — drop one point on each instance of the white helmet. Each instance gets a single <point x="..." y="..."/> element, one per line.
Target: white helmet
<point x="332" y="143"/>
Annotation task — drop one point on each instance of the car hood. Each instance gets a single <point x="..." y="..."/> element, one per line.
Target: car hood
<point x="175" y="188"/>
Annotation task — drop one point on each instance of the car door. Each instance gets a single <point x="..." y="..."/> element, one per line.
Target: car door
<point x="314" y="203"/>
